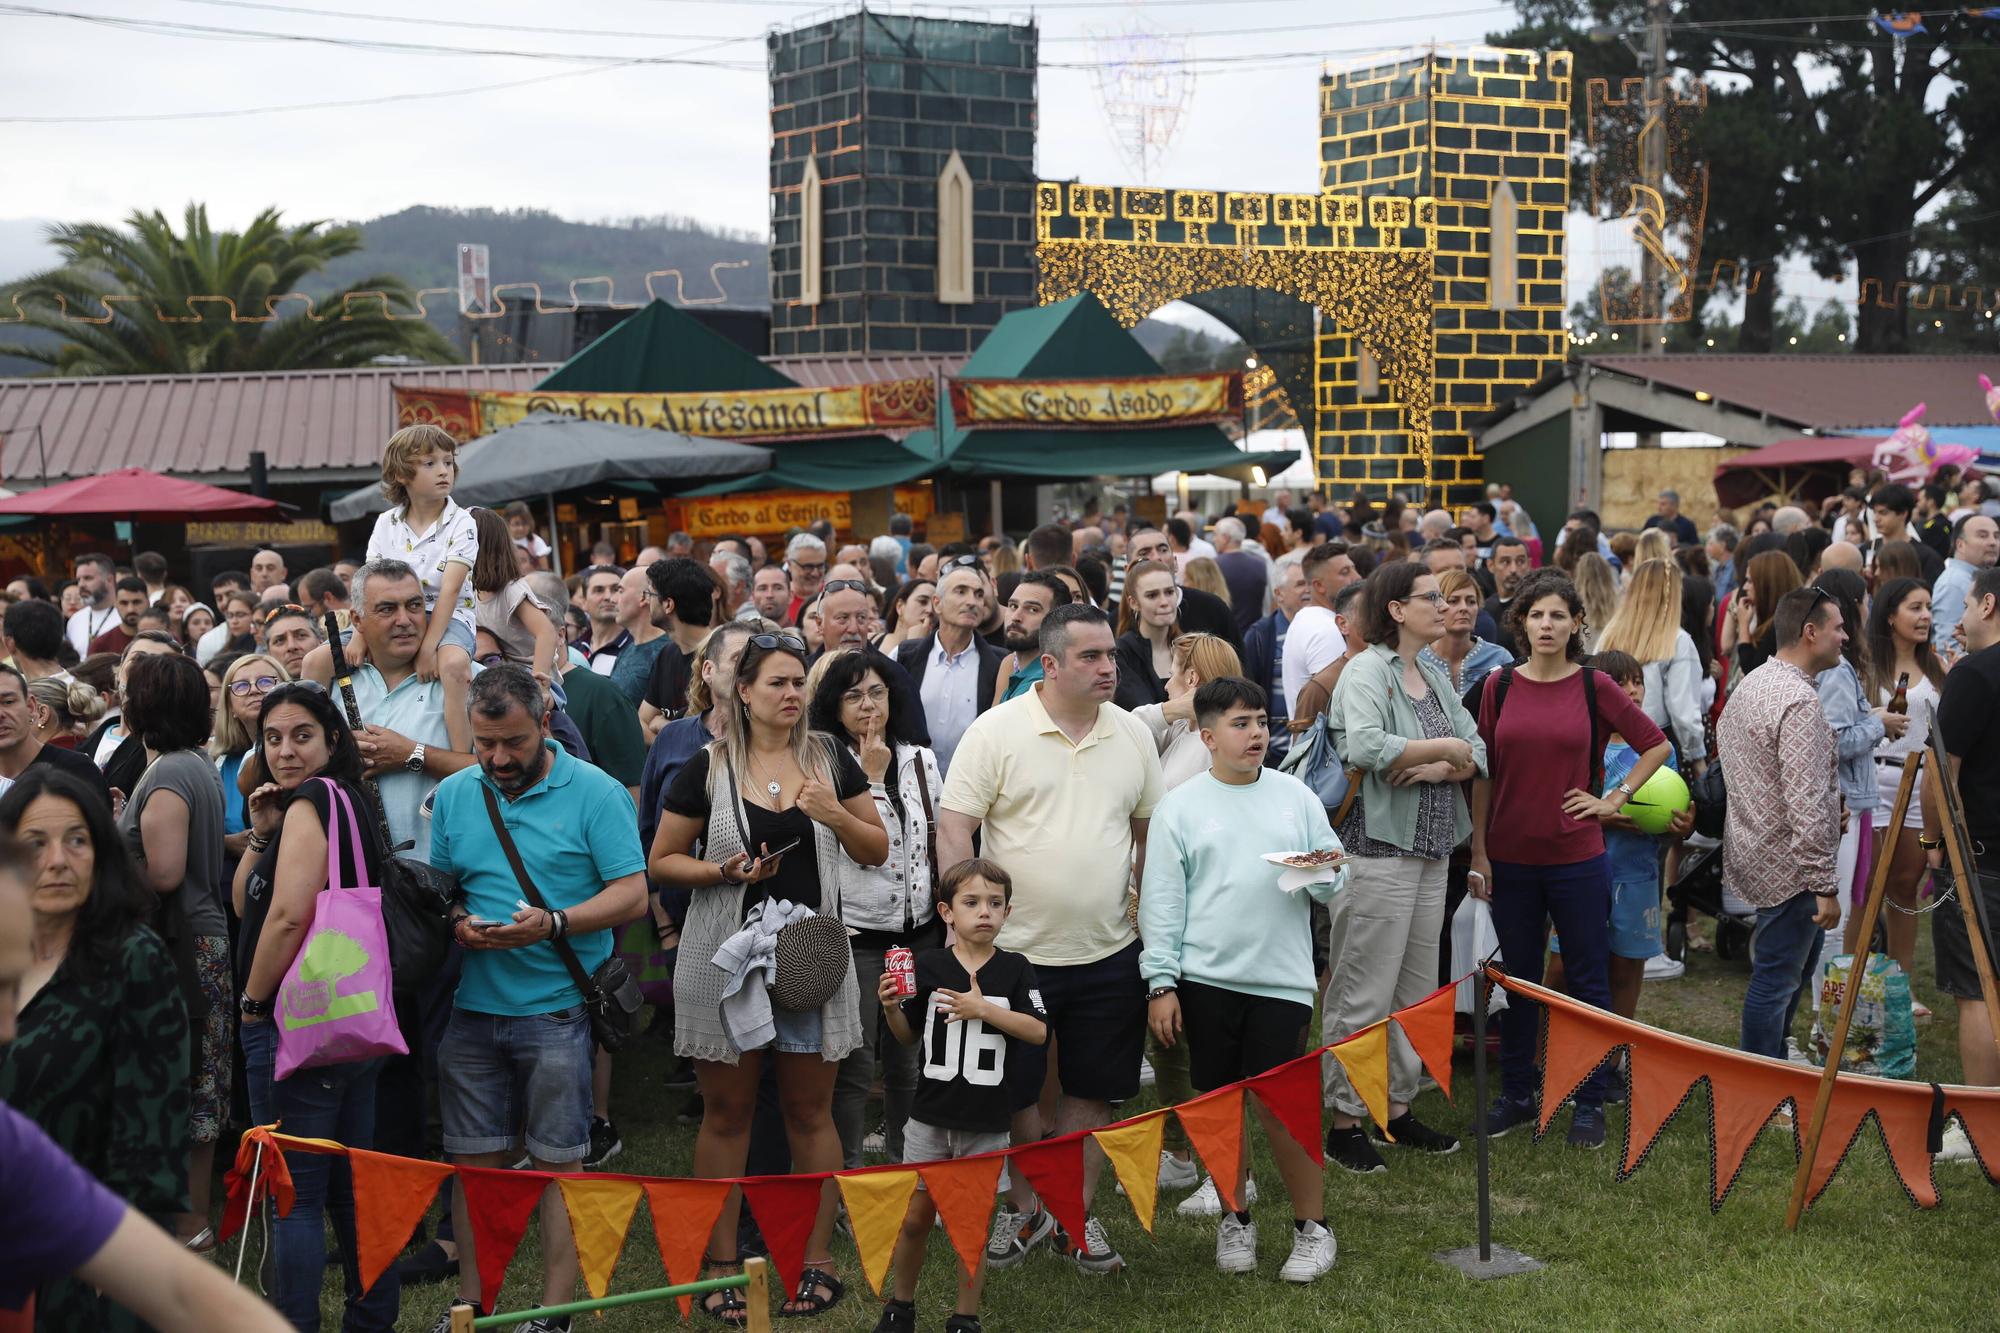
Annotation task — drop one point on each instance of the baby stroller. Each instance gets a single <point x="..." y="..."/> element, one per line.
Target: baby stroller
<point x="1699" y="888"/>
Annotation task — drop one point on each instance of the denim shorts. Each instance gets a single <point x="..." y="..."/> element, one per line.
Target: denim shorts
<point x="798" y="1030"/>
<point x="505" y="1082"/>
<point x="1635" y="920"/>
<point x="458" y="634"/>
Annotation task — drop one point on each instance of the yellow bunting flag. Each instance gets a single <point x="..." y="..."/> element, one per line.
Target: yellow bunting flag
<point x="1214" y="1125"/>
<point x="600" y="1211"/>
<point x="876" y="1204"/>
<point x="1134" y="1150"/>
<point x="1365" y="1058"/>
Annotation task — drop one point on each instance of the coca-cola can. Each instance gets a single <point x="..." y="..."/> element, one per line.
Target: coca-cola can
<point x="901" y="964"/>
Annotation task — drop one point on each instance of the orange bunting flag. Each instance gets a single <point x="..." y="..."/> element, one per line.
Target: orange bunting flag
<point x="498" y="1203"/>
<point x="1744" y="1092"/>
<point x="1981" y="1117"/>
<point x="1428" y="1026"/>
<point x="391" y="1195"/>
<point x="963" y="1192"/>
<point x="1578" y="1040"/>
<point x="1055" y="1168"/>
<point x="1214" y="1125"/>
<point x="785" y="1208"/>
<point x="877" y="1202"/>
<point x="1134" y="1150"/>
<point x="600" y="1213"/>
<point x="256" y="1155"/>
<point x="1291" y="1093"/>
<point x="684" y="1213"/>
<point x="1365" y="1058"/>
<point x="1663" y="1077"/>
<point x="1902" y="1112"/>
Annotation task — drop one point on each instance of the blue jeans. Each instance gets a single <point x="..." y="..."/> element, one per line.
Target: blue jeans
<point x="1784" y="950"/>
<point x="333" y="1102"/>
<point x="1577" y="898"/>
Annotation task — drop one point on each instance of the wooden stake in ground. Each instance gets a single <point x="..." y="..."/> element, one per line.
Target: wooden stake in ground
<point x="1964" y="876"/>
<point x="1850" y="995"/>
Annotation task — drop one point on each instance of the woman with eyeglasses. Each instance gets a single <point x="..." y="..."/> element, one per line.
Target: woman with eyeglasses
<point x="239" y="610"/>
<point x="887" y="905"/>
<point x="245" y="682"/>
<point x="1537" y="837"/>
<point x="775" y="807"/>
<point x="1149" y="620"/>
<point x="1398" y="725"/>
<point x="172" y="824"/>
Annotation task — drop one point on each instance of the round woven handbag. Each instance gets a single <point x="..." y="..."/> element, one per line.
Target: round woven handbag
<point x="813" y="957"/>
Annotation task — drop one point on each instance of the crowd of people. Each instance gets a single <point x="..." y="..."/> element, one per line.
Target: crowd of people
<point x="1029" y="783"/>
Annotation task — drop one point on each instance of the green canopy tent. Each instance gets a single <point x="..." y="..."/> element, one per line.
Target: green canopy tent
<point x="664" y="350"/>
<point x="1077" y="339"/>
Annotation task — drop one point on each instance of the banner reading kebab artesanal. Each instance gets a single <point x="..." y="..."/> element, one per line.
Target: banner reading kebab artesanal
<point x="1097" y="404"/>
<point x="728" y="414"/>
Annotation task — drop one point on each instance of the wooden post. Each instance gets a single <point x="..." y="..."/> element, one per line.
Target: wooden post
<point x="461" y="1318"/>
<point x="1966" y="880"/>
<point x="1878" y="883"/>
<point x="757" y="1296"/>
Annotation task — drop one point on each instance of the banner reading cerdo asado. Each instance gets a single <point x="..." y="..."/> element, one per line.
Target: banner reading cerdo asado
<point x="1138" y="400"/>
<point x="729" y="414"/>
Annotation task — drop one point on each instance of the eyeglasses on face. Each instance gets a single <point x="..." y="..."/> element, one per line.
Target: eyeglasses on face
<point x="492" y="659"/>
<point x="244" y="686"/>
<point x="807" y="566"/>
<point x="1434" y="597"/>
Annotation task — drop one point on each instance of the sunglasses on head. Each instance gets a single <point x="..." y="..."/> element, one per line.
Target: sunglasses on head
<point x="855" y="585"/>
<point x="280" y="612"/>
<point x="790" y="641"/>
<point x="963" y="562"/>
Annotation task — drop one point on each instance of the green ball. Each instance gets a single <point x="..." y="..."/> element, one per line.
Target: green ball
<point x="1657" y="801"/>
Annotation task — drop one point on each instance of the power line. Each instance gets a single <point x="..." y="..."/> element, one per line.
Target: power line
<point x="717" y="38"/>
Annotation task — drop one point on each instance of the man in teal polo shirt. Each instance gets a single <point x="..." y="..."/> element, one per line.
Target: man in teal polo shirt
<point x="516" y="1060"/>
<point x="1038" y="593"/>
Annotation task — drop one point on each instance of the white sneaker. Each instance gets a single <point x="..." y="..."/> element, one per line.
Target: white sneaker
<point x="1662" y="968"/>
<point x="1795" y="1054"/>
<point x="1236" y="1245"/>
<point x="1957" y="1145"/>
<point x="1205" y="1202"/>
<point x="1146" y="1075"/>
<point x="1176" y="1174"/>
<point x="1312" y="1256"/>
<point x="875" y="1144"/>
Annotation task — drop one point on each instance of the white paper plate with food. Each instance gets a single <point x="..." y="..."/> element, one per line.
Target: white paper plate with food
<point x="1303" y="868"/>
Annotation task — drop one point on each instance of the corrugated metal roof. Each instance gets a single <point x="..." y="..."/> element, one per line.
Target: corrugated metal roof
<point x="1824" y="392"/>
<point x="327" y="422"/>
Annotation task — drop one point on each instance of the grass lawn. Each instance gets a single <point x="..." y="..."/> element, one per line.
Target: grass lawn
<point x="1646" y="1254"/>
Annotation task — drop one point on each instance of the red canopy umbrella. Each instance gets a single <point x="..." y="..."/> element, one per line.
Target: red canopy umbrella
<point x="139" y="496"/>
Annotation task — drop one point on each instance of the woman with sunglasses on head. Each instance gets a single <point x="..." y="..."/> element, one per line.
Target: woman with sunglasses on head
<point x="1900" y="656"/>
<point x="1396" y="721"/>
<point x="1149" y="620"/>
<point x="774" y="807"/>
<point x="245" y="683"/>
<point x="1537" y="840"/>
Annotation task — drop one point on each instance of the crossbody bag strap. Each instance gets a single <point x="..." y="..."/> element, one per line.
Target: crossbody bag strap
<point x="930" y="818"/>
<point x="576" y="973"/>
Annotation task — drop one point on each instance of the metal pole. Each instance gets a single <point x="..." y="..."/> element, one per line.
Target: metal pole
<point x="555" y="538"/>
<point x="1481" y="988"/>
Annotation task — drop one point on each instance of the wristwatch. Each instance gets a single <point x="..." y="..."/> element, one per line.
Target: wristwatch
<point x="1625" y="787"/>
<point x="250" y="1008"/>
<point x="415" y="763"/>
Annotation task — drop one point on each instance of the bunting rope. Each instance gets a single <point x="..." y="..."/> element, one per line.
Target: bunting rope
<point x="391" y="1194"/>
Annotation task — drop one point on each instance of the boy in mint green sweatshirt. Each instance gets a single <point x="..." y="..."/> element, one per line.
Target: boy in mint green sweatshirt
<point x="1228" y="954"/>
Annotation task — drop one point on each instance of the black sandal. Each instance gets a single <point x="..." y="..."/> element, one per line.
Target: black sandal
<point x="729" y="1308"/>
<point x="808" y="1302"/>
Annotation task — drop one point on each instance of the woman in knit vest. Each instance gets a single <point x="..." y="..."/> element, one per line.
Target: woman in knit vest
<point x="766" y="783"/>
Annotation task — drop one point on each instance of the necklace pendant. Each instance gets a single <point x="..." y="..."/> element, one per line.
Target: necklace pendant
<point x="773" y="788"/>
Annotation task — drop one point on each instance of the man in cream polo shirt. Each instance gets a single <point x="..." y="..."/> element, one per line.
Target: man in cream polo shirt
<point x="1062" y="781"/>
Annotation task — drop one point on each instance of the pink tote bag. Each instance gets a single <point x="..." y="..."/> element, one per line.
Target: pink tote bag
<point x="336" y="1005"/>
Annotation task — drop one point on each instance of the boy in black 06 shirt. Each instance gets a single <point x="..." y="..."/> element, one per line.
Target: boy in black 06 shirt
<point x="973" y="1004"/>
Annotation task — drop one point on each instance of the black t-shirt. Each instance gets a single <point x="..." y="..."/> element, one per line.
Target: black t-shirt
<point x="1209" y="614"/>
<point x="1968" y="716"/>
<point x="667" y="685"/>
<point x="797" y="877"/>
<point x="1503" y="633"/>
<point x="965" y="1065"/>
<point x="257" y="889"/>
<point x="77" y="766"/>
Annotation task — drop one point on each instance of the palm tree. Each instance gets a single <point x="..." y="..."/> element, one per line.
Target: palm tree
<point x="144" y="301"/>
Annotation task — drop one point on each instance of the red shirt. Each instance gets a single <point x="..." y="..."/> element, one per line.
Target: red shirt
<point x="1537" y="749"/>
<point x="114" y="640"/>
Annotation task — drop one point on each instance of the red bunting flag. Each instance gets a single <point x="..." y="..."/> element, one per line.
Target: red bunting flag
<point x="256" y="1155"/>
<point x="1428" y="1026"/>
<point x="1055" y="1168"/>
<point x="684" y="1213"/>
<point x="1214" y="1125"/>
<point x="963" y="1193"/>
<point x="785" y="1208"/>
<point x="391" y="1195"/>
<point x="1291" y="1093"/>
<point x="498" y="1203"/>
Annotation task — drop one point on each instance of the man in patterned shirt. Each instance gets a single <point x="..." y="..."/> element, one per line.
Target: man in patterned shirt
<point x="1784" y="812"/>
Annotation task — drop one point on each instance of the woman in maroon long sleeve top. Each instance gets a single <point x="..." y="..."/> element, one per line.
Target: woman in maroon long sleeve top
<point x="1537" y="846"/>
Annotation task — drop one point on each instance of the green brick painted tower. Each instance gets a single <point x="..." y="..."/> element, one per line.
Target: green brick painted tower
<point x="1466" y="128"/>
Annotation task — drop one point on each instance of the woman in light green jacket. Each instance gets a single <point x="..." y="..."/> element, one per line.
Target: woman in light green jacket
<point x="1404" y="736"/>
